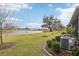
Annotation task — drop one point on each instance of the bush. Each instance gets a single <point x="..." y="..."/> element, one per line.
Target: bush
<point x="69" y="30"/>
<point x="53" y="39"/>
<point x="49" y="43"/>
<point x="57" y="38"/>
<point x="63" y="33"/>
<point x="55" y="46"/>
<point x="75" y="51"/>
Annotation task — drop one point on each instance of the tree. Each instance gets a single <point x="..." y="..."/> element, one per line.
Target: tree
<point x="47" y="20"/>
<point x="57" y="25"/>
<point x="9" y="24"/>
<point x="52" y="23"/>
<point x="4" y="12"/>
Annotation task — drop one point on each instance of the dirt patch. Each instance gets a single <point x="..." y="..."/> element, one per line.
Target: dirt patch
<point x="6" y="45"/>
<point x="61" y="53"/>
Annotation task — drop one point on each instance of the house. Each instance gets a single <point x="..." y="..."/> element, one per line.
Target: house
<point x="74" y="22"/>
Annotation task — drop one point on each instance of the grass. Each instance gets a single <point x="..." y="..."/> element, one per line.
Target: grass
<point x="27" y="45"/>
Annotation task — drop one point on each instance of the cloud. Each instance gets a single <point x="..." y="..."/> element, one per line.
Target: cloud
<point x="65" y="14"/>
<point x="73" y="5"/>
<point x="12" y="20"/>
<point x="58" y="9"/>
<point x="50" y="5"/>
<point x="30" y="7"/>
<point x="34" y="25"/>
<point x="15" y="6"/>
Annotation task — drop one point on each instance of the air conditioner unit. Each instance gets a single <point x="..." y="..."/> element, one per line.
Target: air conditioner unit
<point x="66" y="42"/>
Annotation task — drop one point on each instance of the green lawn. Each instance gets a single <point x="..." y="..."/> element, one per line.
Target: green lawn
<point x="27" y="45"/>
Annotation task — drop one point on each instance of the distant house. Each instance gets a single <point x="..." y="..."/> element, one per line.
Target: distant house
<point x="74" y="22"/>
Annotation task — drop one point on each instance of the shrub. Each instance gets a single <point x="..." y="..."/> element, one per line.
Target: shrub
<point x="55" y="46"/>
<point x="75" y="51"/>
<point x="63" y="33"/>
<point x="49" y="43"/>
<point x="53" y="39"/>
<point x="57" y="38"/>
<point x="69" y="30"/>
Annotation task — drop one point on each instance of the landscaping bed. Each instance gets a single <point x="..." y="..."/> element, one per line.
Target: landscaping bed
<point x="6" y="45"/>
<point x="61" y="53"/>
<point x="54" y="48"/>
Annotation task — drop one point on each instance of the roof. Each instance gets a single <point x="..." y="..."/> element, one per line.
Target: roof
<point x="75" y="15"/>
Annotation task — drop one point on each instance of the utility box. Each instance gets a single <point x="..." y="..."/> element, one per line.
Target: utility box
<point x="67" y="42"/>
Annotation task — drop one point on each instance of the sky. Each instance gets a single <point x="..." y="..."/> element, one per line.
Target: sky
<point x="31" y="15"/>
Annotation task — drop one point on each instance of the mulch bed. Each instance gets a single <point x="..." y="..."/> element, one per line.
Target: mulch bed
<point x="61" y="53"/>
<point x="6" y="45"/>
